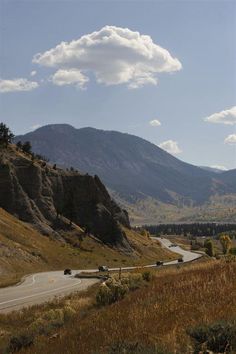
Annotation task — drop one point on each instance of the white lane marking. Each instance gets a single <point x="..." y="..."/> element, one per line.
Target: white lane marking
<point x="42" y="293"/>
<point x="30" y="284"/>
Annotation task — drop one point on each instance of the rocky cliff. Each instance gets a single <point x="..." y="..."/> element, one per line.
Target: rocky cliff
<point x="51" y="198"/>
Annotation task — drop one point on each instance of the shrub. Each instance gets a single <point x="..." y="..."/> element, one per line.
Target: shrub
<point x="219" y="337"/>
<point x="19" y="341"/>
<point x="68" y="313"/>
<point x="54" y="317"/>
<point x="233" y="251"/>
<point x="110" y="292"/>
<point x="135" y="281"/>
<point x="147" y="275"/>
<point x="38" y="326"/>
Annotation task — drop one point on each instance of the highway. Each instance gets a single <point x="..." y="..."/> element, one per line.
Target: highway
<point x="42" y="287"/>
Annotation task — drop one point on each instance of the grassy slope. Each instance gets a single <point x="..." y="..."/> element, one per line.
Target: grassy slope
<point x="23" y="250"/>
<point x="177" y="299"/>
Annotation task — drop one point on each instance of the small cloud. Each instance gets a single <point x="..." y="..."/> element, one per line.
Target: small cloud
<point x="33" y="73"/>
<point x="155" y="123"/>
<point x="227" y="117"/>
<point x="170" y="146"/>
<point x="219" y="167"/>
<point x="69" y="77"/>
<point x="34" y="127"/>
<point x="114" y="55"/>
<point x="17" y="85"/>
<point x="230" y="140"/>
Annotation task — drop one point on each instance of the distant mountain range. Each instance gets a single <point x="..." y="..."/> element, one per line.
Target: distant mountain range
<point x="131" y="167"/>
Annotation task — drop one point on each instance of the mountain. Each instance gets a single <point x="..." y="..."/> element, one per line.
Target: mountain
<point x="131" y="167"/>
<point x="51" y="199"/>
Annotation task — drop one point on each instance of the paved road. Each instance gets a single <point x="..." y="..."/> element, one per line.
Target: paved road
<point x="188" y="256"/>
<point x="41" y="287"/>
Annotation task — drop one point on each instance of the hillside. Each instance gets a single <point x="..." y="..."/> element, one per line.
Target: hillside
<point x="24" y="250"/>
<point x="186" y="310"/>
<point x="135" y="171"/>
<point x="52" y="199"/>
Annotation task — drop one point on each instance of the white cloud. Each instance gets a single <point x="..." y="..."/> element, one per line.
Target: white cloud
<point x="17" y="85"/>
<point x="69" y="77"/>
<point x="155" y="123"/>
<point x="33" y="73"/>
<point x="170" y="146"/>
<point x="231" y="139"/>
<point x="114" y="55"/>
<point x="219" y="167"/>
<point x="227" y="116"/>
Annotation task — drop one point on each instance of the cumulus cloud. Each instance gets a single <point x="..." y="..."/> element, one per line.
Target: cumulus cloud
<point x="227" y="116"/>
<point x="33" y="73"/>
<point x="171" y="146"/>
<point x="231" y="139"/>
<point x="17" y="85"/>
<point x="155" y="123"/>
<point x="114" y="55"/>
<point x="69" y="77"/>
<point x="219" y="167"/>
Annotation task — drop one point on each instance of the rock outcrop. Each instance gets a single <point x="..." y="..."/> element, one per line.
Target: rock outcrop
<point x="51" y="198"/>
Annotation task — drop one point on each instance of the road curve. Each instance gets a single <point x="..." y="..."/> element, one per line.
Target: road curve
<point x="42" y="287"/>
<point x="188" y="256"/>
<point x="39" y="288"/>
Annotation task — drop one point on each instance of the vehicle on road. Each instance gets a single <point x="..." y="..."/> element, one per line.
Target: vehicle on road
<point x="159" y="263"/>
<point x="180" y="260"/>
<point x="67" y="271"/>
<point x="103" y="269"/>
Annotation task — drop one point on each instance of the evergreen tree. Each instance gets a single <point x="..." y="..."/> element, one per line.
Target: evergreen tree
<point x="26" y="147"/>
<point x="6" y="136"/>
<point x="209" y="248"/>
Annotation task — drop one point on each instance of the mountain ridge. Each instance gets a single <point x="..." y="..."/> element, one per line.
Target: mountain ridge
<point x="130" y="166"/>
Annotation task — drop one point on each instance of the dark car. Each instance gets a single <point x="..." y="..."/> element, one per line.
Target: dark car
<point x="103" y="269"/>
<point x="159" y="263"/>
<point x="180" y="260"/>
<point x="67" y="271"/>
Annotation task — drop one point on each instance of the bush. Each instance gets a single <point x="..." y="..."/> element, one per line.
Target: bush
<point x="110" y="292"/>
<point x="147" y="275"/>
<point x="219" y="337"/>
<point x="68" y="313"/>
<point x="233" y="251"/>
<point x="19" y="341"/>
<point x="54" y="317"/>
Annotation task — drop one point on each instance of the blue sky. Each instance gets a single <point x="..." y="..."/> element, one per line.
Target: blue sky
<point x="200" y="80"/>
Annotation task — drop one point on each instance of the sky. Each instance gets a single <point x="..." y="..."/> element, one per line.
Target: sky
<point x="161" y="70"/>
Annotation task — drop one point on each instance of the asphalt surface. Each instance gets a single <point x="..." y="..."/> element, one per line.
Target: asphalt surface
<point x="42" y="287"/>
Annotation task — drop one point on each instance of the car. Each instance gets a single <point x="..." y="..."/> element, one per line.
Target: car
<point x="67" y="271"/>
<point x="159" y="263"/>
<point x="180" y="260"/>
<point x="173" y="245"/>
<point x="103" y="269"/>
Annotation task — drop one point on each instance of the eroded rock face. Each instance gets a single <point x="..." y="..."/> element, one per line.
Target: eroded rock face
<point x="37" y="193"/>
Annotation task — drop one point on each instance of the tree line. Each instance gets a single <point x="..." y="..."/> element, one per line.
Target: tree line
<point x="194" y="229"/>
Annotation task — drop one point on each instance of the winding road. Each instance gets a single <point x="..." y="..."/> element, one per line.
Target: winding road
<point x="41" y="287"/>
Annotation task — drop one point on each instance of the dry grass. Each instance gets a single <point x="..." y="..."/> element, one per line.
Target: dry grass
<point x="23" y="250"/>
<point x="175" y="300"/>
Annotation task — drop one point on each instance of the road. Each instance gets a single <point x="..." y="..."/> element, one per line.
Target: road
<point x="188" y="256"/>
<point x="42" y="287"/>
